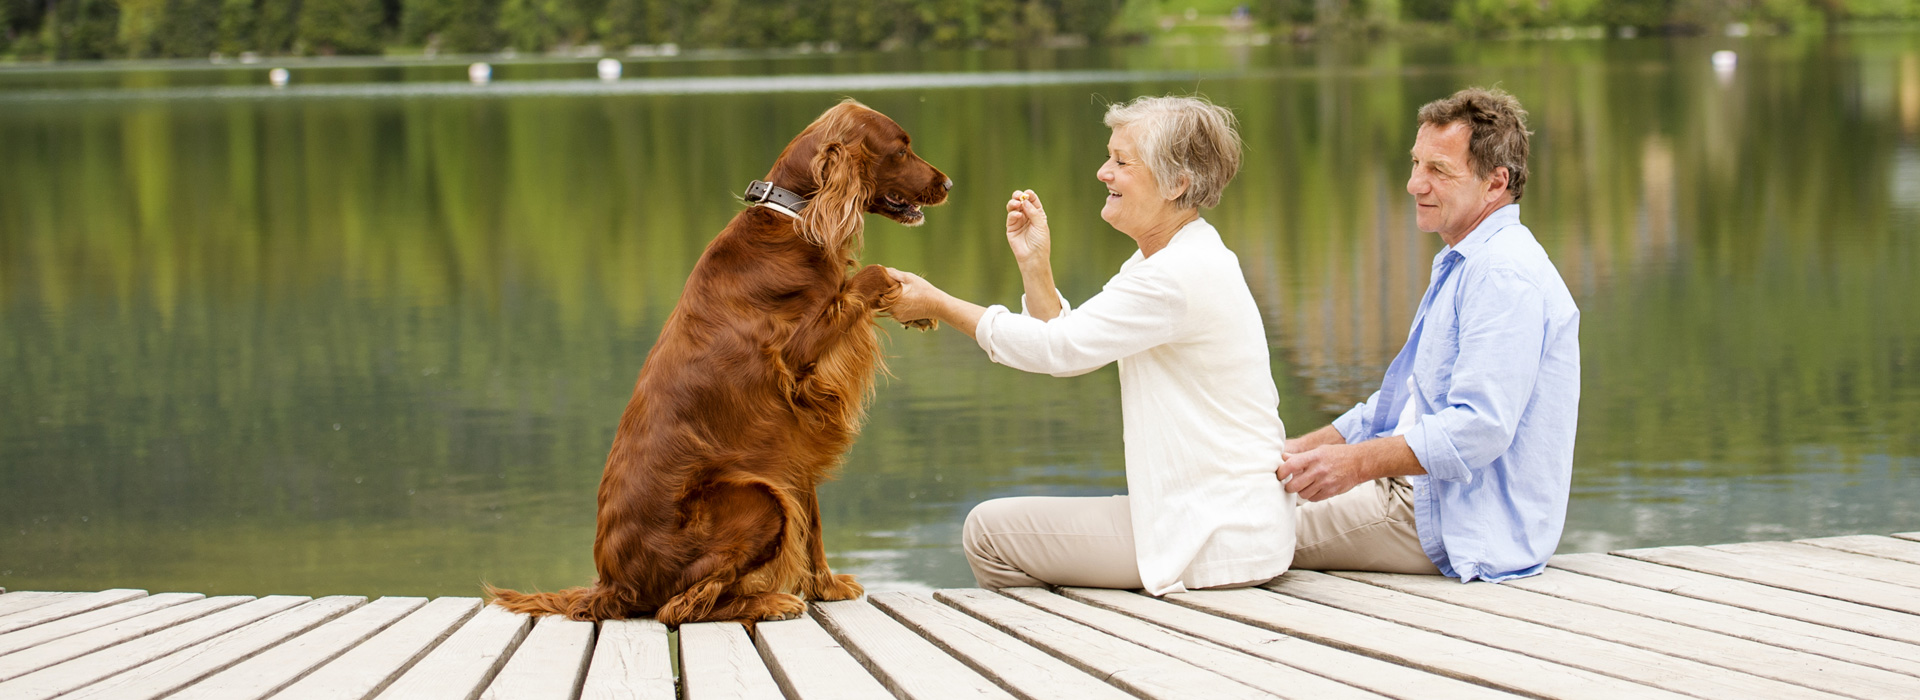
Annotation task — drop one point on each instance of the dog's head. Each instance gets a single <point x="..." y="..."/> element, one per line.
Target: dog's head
<point x="853" y="160"/>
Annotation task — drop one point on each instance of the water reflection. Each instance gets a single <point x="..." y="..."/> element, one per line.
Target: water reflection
<point x="377" y="345"/>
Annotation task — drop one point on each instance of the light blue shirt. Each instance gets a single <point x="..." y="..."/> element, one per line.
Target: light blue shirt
<point x="1494" y="355"/>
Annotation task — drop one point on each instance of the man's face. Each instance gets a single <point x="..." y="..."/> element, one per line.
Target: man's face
<point x="1451" y="201"/>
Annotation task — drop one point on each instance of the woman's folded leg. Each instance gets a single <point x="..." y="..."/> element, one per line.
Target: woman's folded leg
<point x="1064" y="541"/>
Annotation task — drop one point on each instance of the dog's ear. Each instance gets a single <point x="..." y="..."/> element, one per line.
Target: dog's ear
<point x="834" y="214"/>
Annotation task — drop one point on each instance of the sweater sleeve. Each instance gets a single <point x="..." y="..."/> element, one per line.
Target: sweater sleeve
<point x="1139" y="309"/>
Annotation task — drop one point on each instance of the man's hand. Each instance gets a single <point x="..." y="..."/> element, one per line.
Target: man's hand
<point x="1330" y="470"/>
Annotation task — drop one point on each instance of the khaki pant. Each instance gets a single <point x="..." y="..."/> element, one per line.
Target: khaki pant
<point x="1066" y="541"/>
<point x="1369" y="528"/>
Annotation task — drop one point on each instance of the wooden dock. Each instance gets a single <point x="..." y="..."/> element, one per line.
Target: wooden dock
<point x="1819" y="618"/>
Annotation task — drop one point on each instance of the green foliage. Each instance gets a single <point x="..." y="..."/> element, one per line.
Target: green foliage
<point x="193" y="28"/>
<point x="189" y="28"/>
<point x="329" y="27"/>
<point x="237" y="26"/>
<point x="77" y="29"/>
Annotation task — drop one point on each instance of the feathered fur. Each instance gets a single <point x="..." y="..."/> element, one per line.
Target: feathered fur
<point x="755" y="389"/>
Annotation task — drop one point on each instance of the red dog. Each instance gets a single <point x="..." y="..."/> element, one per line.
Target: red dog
<point x="755" y="389"/>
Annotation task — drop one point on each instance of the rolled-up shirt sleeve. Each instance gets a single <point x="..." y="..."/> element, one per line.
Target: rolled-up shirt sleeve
<point x="1352" y="425"/>
<point x="1501" y="333"/>
<point x="1136" y="311"/>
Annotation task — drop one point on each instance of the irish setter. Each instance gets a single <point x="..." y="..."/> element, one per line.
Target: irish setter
<point x="755" y="389"/>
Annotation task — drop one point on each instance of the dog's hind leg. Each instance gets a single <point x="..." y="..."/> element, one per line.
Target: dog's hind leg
<point x="740" y="526"/>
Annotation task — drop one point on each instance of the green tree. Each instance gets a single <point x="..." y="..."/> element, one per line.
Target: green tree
<point x="277" y="25"/>
<point x="329" y="27"/>
<point x="237" y="26"/>
<point x="77" y="29"/>
<point x="188" y="28"/>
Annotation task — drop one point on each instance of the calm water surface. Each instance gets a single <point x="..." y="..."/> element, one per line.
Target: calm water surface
<point x="371" y="334"/>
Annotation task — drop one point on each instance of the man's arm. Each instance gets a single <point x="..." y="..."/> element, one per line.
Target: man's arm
<point x="1327" y="435"/>
<point x="1502" y="325"/>
<point x="1333" y="469"/>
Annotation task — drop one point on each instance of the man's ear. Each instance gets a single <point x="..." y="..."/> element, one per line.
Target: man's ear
<point x="1497" y="183"/>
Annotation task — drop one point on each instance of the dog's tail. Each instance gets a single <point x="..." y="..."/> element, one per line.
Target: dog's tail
<point x="591" y="603"/>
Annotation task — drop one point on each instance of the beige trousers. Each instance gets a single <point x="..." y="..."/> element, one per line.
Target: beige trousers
<point x="1369" y="528"/>
<point x="1088" y="541"/>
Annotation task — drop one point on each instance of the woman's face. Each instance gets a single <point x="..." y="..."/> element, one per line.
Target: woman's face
<point x="1133" y="195"/>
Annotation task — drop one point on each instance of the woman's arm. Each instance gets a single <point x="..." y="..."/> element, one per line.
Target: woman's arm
<point x="919" y="299"/>
<point x="1032" y="245"/>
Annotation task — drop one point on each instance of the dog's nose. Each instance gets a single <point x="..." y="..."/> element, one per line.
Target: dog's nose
<point x="948" y="184"/>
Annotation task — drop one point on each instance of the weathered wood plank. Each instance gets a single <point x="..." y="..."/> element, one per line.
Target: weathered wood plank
<point x="1412" y="646"/>
<point x="1796" y="605"/>
<point x="21" y="601"/>
<point x="1797" y="578"/>
<point x="67" y="608"/>
<point x="1136" y="669"/>
<point x="79" y="672"/>
<point x="462" y="665"/>
<point x="718" y="662"/>
<point x="1865" y="566"/>
<point x="1013" y="664"/>
<point x="631" y="661"/>
<point x="190" y="665"/>
<point x="1872" y="545"/>
<point x="365" y="669"/>
<point x="40" y="656"/>
<point x="1533" y="639"/>
<point x="1386" y="678"/>
<point x="1658" y="636"/>
<point x="912" y="667"/>
<point x="1915" y="536"/>
<point x="1247" y="669"/>
<point x="1779" y="631"/>
<point x="41" y="634"/>
<point x="548" y="665"/>
<point x="273" y="669"/>
<point x="1520" y="636"/>
<point x="809" y="665"/>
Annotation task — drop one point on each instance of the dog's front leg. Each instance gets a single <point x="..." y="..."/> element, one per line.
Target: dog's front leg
<point x="869" y="290"/>
<point x="826" y="584"/>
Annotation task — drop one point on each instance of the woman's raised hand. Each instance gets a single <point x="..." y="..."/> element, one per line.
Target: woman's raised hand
<point x="1027" y="231"/>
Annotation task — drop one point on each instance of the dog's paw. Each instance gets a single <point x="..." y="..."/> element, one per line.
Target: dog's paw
<point x="925" y="324"/>
<point x="781" y="606"/>
<point x="839" y="587"/>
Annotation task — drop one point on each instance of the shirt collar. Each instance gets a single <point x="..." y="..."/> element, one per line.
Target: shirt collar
<point x="1499" y="219"/>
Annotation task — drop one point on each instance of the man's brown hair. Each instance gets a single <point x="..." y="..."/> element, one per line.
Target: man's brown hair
<point x="1499" y="127"/>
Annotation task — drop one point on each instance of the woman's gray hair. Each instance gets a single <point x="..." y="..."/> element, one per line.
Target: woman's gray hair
<point x="1183" y="137"/>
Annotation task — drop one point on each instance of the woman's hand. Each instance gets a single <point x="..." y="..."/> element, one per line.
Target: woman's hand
<point x="919" y="299"/>
<point x="1027" y="232"/>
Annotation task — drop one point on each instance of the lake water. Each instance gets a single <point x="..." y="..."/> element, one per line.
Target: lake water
<point x="371" y="333"/>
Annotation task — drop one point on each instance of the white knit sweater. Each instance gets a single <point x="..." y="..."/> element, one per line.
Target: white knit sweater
<point x="1198" y="402"/>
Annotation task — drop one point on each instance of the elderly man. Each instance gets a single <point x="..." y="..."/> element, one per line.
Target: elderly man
<point x="1461" y="462"/>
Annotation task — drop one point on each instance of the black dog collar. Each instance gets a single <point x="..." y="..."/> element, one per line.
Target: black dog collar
<point x="765" y="193"/>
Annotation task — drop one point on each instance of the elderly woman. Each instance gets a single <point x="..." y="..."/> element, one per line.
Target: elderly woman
<point x="1197" y="397"/>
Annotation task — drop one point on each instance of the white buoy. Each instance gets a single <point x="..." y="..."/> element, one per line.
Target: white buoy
<point x="609" y="69"/>
<point x="278" y="77"/>
<point x="480" y="73"/>
<point x="1724" y="63"/>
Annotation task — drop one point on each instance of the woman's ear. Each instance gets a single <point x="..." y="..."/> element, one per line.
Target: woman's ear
<point x="1180" y="188"/>
<point x="834" y="214"/>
